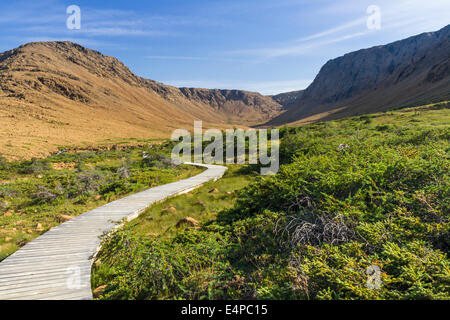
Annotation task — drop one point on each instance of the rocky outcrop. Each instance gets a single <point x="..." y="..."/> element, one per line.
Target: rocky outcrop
<point x="288" y="99"/>
<point x="407" y="72"/>
<point x="235" y="102"/>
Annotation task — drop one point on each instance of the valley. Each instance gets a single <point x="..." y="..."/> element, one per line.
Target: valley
<point x="362" y="185"/>
<point x="55" y="95"/>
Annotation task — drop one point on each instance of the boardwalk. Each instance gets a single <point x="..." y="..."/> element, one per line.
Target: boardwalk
<point x="57" y="265"/>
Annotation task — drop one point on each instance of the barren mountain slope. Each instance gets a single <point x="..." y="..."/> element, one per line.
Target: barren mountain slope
<point x="288" y="99"/>
<point x="412" y="71"/>
<point x="236" y="103"/>
<point x="60" y="93"/>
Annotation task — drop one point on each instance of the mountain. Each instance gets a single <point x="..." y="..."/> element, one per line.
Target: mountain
<point x="403" y="73"/>
<point x="56" y="94"/>
<point x="288" y="99"/>
<point x="237" y="106"/>
<point x="60" y="93"/>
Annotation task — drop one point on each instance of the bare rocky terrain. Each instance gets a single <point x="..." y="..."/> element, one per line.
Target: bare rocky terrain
<point x="409" y="72"/>
<point x="288" y="99"/>
<point x="60" y="93"/>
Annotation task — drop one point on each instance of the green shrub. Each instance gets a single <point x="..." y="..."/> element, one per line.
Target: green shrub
<point x="348" y="199"/>
<point x="34" y="194"/>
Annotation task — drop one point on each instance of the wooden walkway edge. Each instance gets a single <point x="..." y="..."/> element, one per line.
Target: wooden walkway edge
<point x="57" y="264"/>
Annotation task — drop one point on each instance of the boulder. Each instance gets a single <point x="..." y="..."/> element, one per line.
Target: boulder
<point x="8" y="213"/>
<point x="99" y="291"/>
<point x="64" y="217"/>
<point x="169" y="209"/>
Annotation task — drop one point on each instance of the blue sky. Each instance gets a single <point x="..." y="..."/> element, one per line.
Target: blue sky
<point x="258" y="45"/>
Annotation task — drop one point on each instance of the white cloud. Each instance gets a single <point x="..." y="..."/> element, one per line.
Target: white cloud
<point x="400" y="18"/>
<point x="175" y="58"/>
<point x="194" y="58"/>
<point x="415" y="16"/>
<point x="48" y="18"/>
<point x="115" y="31"/>
<point x="295" y="49"/>
<point x="345" y="26"/>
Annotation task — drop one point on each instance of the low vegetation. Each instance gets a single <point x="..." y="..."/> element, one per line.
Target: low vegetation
<point x="39" y="194"/>
<point x="167" y="219"/>
<point x="352" y="196"/>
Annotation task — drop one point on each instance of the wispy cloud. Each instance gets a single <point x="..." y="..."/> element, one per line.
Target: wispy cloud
<point x="52" y="16"/>
<point x="115" y="31"/>
<point x="194" y="58"/>
<point x="51" y="31"/>
<point x="401" y="17"/>
<point x="296" y="49"/>
<point x="175" y="58"/>
<point x="304" y="45"/>
<point x="357" y="22"/>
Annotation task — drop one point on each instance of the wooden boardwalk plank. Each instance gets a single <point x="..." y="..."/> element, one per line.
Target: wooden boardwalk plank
<point x="57" y="265"/>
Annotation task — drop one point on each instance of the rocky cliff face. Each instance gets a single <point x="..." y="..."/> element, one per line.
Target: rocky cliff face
<point x="235" y="102"/>
<point x="288" y="99"/>
<point x="407" y="72"/>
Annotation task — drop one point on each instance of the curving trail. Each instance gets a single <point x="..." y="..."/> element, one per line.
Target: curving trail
<point x="57" y="265"/>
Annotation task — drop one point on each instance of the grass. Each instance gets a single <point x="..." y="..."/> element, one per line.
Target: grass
<point x="351" y="194"/>
<point x="38" y="195"/>
<point x="203" y="204"/>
